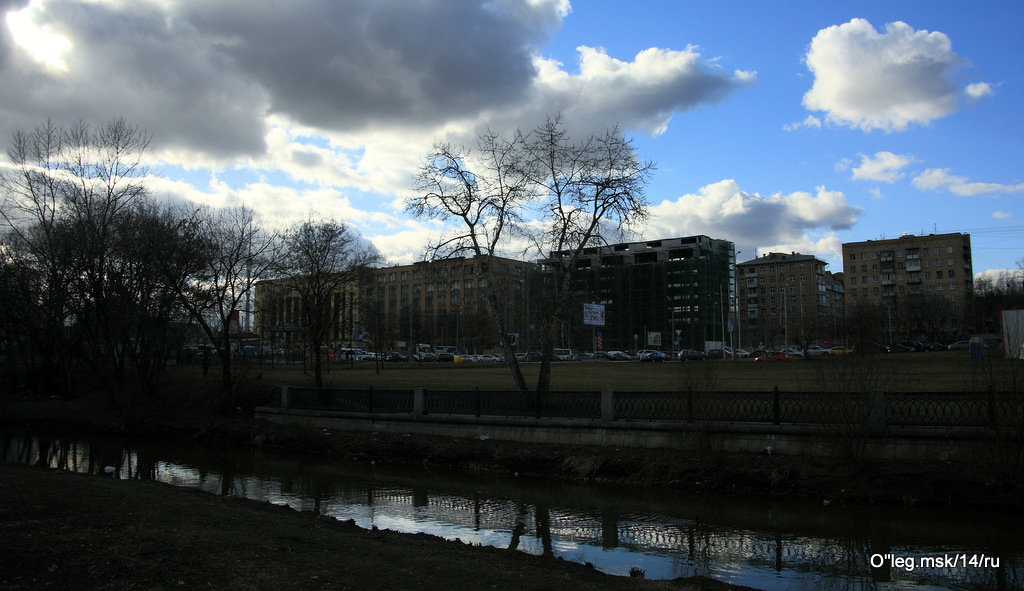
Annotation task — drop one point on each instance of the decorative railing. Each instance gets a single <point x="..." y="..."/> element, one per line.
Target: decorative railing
<point x="873" y="409"/>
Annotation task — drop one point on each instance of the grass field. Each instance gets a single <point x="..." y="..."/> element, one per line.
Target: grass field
<point x="920" y="372"/>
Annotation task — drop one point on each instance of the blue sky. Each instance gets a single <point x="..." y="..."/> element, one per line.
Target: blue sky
<point x="780" y="126"/>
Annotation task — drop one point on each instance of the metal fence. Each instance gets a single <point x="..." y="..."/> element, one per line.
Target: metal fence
<point x="936" y="409"/>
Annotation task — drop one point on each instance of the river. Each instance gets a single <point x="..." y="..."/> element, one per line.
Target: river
<point x="762" y="543"/>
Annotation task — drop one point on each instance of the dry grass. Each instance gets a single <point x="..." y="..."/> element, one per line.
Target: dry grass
<point x="920" y="372"/>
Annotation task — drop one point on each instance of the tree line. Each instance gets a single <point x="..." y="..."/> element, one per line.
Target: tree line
<point x="98" y="280"/>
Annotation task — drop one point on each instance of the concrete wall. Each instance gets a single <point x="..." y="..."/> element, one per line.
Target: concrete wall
<point x="904" y="443"/>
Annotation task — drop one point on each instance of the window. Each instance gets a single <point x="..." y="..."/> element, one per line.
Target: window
<point x="392" y="276"/>
<point x="938" y="274"/>
<point x="405" y="275"/>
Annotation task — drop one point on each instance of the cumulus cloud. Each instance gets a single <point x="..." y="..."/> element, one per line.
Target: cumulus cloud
<point x="936" y="179"/>
<point x="809" y="121"/>
<point x="979" y="90"/>
<point x="209" y="77"/>
<point x="642" y="94"/>
<point x="723" y="210"/>
<point x="1002" y="215"/>
<point x="871" y="80"/>
<point x="885" y="167"/>
<point x="330" y="104"/>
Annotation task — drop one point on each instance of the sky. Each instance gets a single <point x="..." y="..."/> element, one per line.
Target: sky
<point x="781" y="126"/>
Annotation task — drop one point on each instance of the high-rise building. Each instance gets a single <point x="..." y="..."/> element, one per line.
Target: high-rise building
<point x="924" y="283"/>
<point x="788" y="299"/>
<point x="660" y="294"/>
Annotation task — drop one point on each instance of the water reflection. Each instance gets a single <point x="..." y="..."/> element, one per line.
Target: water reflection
<point x="764" y="544"/>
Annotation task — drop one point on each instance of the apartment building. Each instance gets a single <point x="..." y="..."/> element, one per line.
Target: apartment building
<point x="444" y="302"/>
<point x="924" y="283"/>
<point x="788" y="299"/>
<point x="661" y="294"/>
<point x="279" y="316"/>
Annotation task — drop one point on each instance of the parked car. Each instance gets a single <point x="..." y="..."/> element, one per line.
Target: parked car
<point x="424" y="357"/>
<point x="715" y="354"/>
<point x="691" y="355"/>
<point x="908" y="347"/>
<point x="818" y="351"/>
<point x="652" y="356"/>
<point x="794" y="351"/>
<point x="841" y="350"/>
<point x="774" y="356"/>
<point x="395" y="356"/>
<point x="959" y="346"/>
<point x="740" y="353"/>
<point x="618" y="356"/>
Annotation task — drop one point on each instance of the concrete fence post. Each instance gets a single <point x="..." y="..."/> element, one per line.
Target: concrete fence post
<point x="877" y="411"/>
<point x="284" y="398"/>
<point x="608" y="404"/>
<point x="419" y="407"/>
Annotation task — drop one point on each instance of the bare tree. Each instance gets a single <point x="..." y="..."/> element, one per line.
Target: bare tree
<point x="560" y="195"/>
<point x="218" y="257"/>
<point x="485" y="192"/>
<point x="319" y="260"/>
<point x="587" y="190"/>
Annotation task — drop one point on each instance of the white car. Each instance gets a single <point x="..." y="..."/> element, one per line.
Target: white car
<point x="740" y="353"/>
<point x="818" y="351"/>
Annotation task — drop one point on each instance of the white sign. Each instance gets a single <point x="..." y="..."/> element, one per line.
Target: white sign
<point x="593" y="314"/>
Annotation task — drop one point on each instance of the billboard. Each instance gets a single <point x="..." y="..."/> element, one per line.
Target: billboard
<point x="593" y="314"/>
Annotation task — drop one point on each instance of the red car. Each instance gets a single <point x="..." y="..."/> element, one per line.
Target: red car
<point x="774" y="356"/>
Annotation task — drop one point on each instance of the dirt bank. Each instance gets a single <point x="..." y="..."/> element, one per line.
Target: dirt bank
<point x="71" y="531"/>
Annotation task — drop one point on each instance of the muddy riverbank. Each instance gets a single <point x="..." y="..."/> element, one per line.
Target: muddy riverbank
<point x="60" y="530"/>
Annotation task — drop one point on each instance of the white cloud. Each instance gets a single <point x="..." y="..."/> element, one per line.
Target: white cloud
<point x="870" y="80"/>
<point x="828" y="248"/>
<point x="885" y="167"/>
<point x="723" y="210"/>
<point x="1002" y="215"/>
<point x="641" y="94"/>
<point x="809" y="121"/>
<point x="935" y="179"/>
<point x="979" y="90"/>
